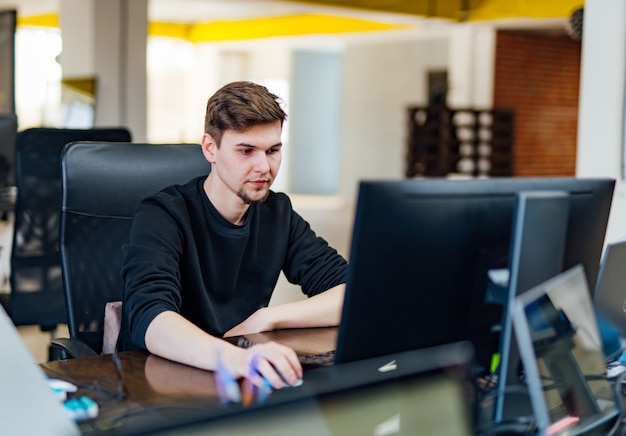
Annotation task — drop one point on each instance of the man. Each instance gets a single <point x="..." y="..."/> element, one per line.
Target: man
<point x="203" y="259"/>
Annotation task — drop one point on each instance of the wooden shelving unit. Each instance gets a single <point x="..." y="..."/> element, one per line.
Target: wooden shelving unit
<point x="468" y="142"/>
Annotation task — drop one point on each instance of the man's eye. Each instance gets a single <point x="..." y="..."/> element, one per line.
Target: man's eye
<point x="246" y="150"/>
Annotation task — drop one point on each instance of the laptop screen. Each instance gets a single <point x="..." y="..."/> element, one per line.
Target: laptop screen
<point x="561" y="349"/>
<point x="610" y="299"/>
<point x="418" y="405"/>
<point x="417" y="392"/>
<point x="24" y="392"/>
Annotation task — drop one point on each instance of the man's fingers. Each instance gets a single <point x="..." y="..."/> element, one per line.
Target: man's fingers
<point x="279" y="365"/>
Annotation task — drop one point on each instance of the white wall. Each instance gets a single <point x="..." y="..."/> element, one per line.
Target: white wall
<point x="106" y="40"/>
<point x="601" y="109"/>
<point x="471" y="66"/>
<point x="380" y="81"/>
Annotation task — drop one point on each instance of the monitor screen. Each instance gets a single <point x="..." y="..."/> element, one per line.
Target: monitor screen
<point x="422" y="251"/>
<point x="564" y="363"/>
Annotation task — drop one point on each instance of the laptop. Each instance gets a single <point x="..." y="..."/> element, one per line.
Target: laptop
<point x="610" y="298"/>
<point x="27" y="404"/>
<point x="416" y="392"/>
<point x="564" y="366"/>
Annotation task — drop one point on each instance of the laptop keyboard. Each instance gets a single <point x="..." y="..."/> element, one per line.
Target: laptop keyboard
<point x="320" y="359"/>
<point x="325" y="358"/>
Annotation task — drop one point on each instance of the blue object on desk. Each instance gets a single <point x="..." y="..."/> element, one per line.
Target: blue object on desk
<point x="611" y="338"/>
<point x="80" y="409"/>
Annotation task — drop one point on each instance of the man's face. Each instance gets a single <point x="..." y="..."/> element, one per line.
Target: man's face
<point x="247" y="162"/>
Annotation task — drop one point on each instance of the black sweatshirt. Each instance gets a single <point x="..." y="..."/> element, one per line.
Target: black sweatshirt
<point x="183" y="256"/>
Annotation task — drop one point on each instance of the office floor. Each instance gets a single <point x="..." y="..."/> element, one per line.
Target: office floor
<point x="328" y="216"/>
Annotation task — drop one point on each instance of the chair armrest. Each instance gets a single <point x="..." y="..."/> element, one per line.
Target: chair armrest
<point x="67" y="348"/>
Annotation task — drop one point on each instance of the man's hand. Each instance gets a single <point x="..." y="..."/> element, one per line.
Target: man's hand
<point x="259" y="321"/>
<point x="276" y="363"/>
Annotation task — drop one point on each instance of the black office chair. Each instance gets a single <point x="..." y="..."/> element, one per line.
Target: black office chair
<point x="8" y="134"/>
<point x="102" y="184"/>
<point x="36" y="296"/>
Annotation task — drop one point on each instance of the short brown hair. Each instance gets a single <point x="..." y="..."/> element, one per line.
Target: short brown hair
<point x="239" y="106"/>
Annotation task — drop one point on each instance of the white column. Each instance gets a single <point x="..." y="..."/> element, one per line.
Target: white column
<point x="470" y="66"/>
<point x="106" y="39"/>
<point x="601" y="108"/>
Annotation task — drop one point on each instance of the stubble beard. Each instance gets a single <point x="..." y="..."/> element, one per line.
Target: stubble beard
<point x="247" y="200"/>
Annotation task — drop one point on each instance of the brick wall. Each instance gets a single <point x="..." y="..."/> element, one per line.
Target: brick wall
<point x="537" y="75"/>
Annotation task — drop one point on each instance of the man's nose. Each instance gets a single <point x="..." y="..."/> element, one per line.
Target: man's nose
<point x="261" y="163"/>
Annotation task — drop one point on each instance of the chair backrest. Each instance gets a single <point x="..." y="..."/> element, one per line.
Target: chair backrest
<point x="8" y="134"/>
<point x="102" y="184"/>
<point x="36" y="285"/>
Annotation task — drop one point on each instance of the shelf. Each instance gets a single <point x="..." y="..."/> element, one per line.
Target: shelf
<point x="472" y="142"/>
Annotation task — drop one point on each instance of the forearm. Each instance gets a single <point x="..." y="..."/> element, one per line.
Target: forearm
<point x="171" y="336"/>
<point x="321" y="310"/>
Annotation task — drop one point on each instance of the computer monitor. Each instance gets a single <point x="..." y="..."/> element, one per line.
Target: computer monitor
<point x="8" y="135"/>
<point x="538" y="242"/>
<point x="426" y="246"/>
<point x="558" y="335"/>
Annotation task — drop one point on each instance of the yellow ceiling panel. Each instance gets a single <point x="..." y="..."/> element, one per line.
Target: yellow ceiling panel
<point x="290" y="25"/>
<point x="430" y="8"/>
<point x="473" y="10"/>
<point x="236" y="30"/>
<point x="44" y="20"/>
<point x="498" y="9"/>
<point x="306" y="24"/>
<point x="171" y="30"/>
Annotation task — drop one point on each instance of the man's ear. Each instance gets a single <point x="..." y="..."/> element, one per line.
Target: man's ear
<point x="209" y="147"/>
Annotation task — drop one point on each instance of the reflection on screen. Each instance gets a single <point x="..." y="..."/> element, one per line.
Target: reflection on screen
<point x="568" y="351"/>
<point x="432" y="404"/>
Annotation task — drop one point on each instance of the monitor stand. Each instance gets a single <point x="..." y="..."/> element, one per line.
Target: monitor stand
<point x="536" y="254"/>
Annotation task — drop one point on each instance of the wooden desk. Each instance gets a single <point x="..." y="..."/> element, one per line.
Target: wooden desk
<point x="159" y="389"/>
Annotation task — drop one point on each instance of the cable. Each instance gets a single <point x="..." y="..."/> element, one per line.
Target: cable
<point x="519" y="426"/>
<point x="618" y="403"/>
<point x="106" y="386"/>
<point x="154" y="410"/>
<point x="117" y="363"/>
